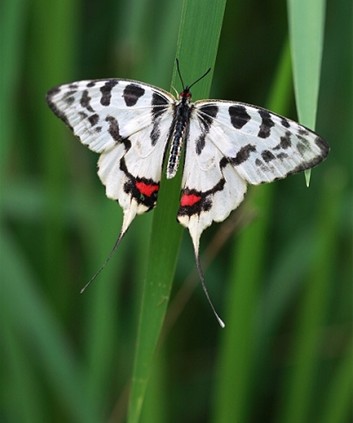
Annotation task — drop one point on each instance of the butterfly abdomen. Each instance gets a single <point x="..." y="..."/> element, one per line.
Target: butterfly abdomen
<point x="181" y="122"/>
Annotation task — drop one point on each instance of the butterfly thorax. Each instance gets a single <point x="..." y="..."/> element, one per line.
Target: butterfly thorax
<point x="179" y="130"/>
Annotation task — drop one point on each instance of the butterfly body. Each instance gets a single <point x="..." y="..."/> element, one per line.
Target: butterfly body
<point x="179" y="127"/>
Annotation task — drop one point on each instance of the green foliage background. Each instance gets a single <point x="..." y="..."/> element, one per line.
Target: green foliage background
<point x="279" y="269"/>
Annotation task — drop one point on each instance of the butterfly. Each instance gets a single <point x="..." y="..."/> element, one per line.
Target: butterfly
<point x="135" y="127"/>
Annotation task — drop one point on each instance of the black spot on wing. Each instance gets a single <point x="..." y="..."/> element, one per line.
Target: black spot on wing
<point x="155" y="133"/>
<point x="267" y="156"/>
<point x="285" y="122"/>
<point x="238" y="116"/>
<point x="322" y="144"/>
<point x="303" y="131"/>
<point x="91" y="84"/>
<point x="205" y="115"/>
<point x="93" y="119"/>
<point x="259" y="163"/>
<point x="132" y="93"/>
<point x="106" y="91"/>
<point x="209" y="112"/>
<point x="82" y="115"/>
<point x="159" y="104"/>
<point x="266" y="124"/>
<point x="200" y="143"/>
<point x="69" y="97"/>
<point x="159" y="100"/>
<point x="60" y="114"/>
<point x="113" y="128"/>
<point x="282" y="156"/>
<point x="285" y="142"/>
<point x="85" y="101"/>
<point x="242" y="155"/>
<point x="303" y="145"/>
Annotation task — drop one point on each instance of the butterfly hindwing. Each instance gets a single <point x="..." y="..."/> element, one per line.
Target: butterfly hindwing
<point x="128" y="123"/>
<point x="131" y="177"/>
<point x="210" y="187"/>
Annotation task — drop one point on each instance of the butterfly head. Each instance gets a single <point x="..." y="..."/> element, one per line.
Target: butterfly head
<point x="185" y="95"/>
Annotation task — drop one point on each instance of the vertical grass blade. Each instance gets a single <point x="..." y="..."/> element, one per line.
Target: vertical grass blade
<point x="12" y="13"/>
<point x="54" y="58"/>
<point x="102" y="323"/>
<point x="22" y="386"/>
<point x="35" y="326"/>
<point x="237" y="355"/>
<point x="338" y="405"/>
<point x="197" y="47"/>
<point x="306" y="23"/>
<point x="155" y="408"/>
<point x="306" y="32"/>
<point x="303" y="377"/>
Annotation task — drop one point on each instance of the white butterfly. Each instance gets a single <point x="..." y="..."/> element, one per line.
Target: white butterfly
<point x="135" y="126"/>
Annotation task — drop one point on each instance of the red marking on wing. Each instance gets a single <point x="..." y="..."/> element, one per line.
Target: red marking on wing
<point x="146" y="189"/>
<point x="189" y="199"/>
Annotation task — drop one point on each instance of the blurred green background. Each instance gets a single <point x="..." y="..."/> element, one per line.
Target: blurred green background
<point x="279" y="269"/>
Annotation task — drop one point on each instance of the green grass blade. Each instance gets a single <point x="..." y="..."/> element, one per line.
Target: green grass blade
<point x="306" y="32"/>
<point x="12" y="14"/>
<point x="55" y="64"/>
<point x="237" y="355"/>
<point x="303" y="377"/>
<point x="199" y="27"/>
<point x="338" y="405"/>
<point x="236" y="350"/>
<point x="19" y="376"/>
<point x="102" y="322"/>
<point x="155" y="406"/>
<point x="37" y="327"/>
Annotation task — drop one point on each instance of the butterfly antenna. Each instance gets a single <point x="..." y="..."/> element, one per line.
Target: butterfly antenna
<point x="201" y="77"/>
<point x="202" y="279"/>
<point x="181" y="79"/>
<point x="117" y="242"/>
<point x="179" y="73"/>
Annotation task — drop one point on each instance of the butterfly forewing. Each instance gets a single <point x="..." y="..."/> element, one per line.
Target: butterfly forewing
<point x="101" y="112"/>
<point x="262" y="145"/>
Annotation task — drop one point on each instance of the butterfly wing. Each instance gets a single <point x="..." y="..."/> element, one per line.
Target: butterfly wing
<point x="231" y="144"/>
<point x="128" y="123"/>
